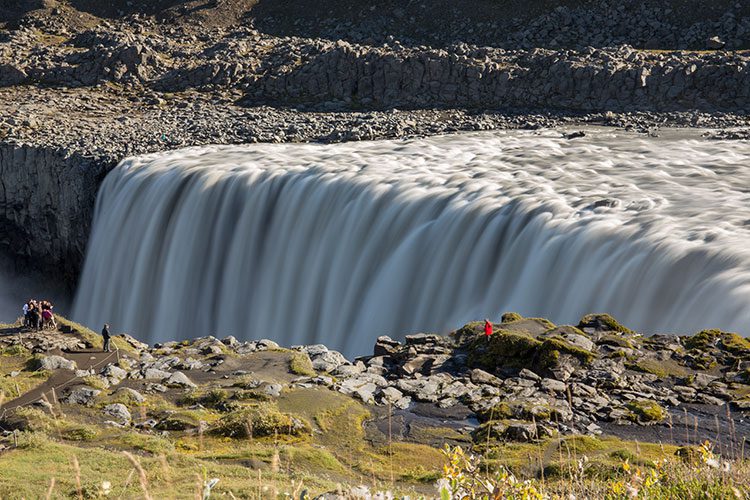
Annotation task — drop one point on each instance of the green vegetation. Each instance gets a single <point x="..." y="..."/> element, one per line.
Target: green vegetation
<point x="661" y="368"/>
<point x="150" y="443"/>
<point x="300" y="364"/>
<point x="510" y="317"/>
<point x="521" y="350"/>
<point x="603" y="322"/>
<point x="259" y="421"/>
<point x="646" y="411"/>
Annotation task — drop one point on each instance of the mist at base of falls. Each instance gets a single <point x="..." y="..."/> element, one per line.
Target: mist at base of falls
<point x="339" y="244"/>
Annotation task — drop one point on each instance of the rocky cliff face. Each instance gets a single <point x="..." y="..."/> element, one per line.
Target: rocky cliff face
<point x="46" y="201"/>
<point x="472" y="77"/>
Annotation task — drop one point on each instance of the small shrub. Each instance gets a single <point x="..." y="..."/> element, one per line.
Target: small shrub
<point x="82" y="433"/>
<point x="300" y="364"/>
<point x="96" y="381"/>
<point x="32" y="440"/>
<point x="258" y="421"/>
<point x="16" y="350"/>
<point x="646" y="411"/>
<point x="152" y="444"/>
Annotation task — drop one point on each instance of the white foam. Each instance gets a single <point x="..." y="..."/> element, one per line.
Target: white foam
<point x="341" y="243"/>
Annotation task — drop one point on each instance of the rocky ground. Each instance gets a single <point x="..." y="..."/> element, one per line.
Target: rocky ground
<point x="531" y="385"/>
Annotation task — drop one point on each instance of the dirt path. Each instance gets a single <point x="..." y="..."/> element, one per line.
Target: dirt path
<point x="85" y="360"/>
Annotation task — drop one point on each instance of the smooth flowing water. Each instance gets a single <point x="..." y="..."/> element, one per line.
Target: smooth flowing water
<point x="341" y="243"/>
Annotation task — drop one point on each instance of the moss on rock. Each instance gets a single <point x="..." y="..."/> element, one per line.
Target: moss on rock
<point x="510" y="317"/>
<point x="646" y="411"/>
<point x="602" y="322"/>
<point x="507" y="349"/>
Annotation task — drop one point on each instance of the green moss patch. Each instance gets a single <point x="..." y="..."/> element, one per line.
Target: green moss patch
<point x="510" y="317"/>
<point x="602" y="322"/>
<point x="300" y="364"/>
<point x="661" y="368"/>
<point x="646" y="411"/>
<point x="520" y="350"/>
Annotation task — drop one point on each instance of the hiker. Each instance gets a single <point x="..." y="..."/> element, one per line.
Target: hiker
<point x="26" y="313"/>
<point x="487" y="329"/>
<point x="34" y="316"/>
<point x="48" y="319"/>
<point x="105" y="336"/>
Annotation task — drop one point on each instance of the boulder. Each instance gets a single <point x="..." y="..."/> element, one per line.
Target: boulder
<point x="114" y="374"/>
<point x="715" y="43"/>
<point x="133" y="395"/>
<point x="119" y="413"/>
<point x="155" y="373"/>
<point x="81" y="395"/>
<point x="328" y="361"/>
<point x="273" y="390"/>
<point x="179" y="379"/>
<point x="385" y="346"/>
<point x="479" y="376"/>
<point x="55" y="362"/>
<point x="521" y="431"/>
<point x="11" y="75"/>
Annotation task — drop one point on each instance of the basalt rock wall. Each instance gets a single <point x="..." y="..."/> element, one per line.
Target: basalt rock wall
<point x="46" y="202"/>
<point x="591" y="80"/>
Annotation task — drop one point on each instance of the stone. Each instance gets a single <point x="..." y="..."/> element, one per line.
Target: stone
<point x="521" y="431"/>
<point x="715" y="43"/>
<point x="191" y="364"/>
<point x="273" y="390"/>
<point x="328" y="361"/>
<point x="552" y="385"/>
<point x="348" y="370"/>
<point x="385" y="346"/>
<point x="267" y="345"/>
<point x="81" y="395"/>
<point x="230" y="341"/>
<point x="179" y="379"/>
<point x="529" y="375"/>
<point x="55" y="362"/>
<point x="701" y="380"/>
<point x="391" y="394"/>
<point x="114" y="374"/>
<point x="119" y="412"/>
<point x="132" y="395"/>
<point x="155" y="373"/>
<point x="479" y="376"/>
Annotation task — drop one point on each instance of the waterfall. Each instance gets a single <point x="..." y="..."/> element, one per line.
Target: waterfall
<point x="341" y="243"/>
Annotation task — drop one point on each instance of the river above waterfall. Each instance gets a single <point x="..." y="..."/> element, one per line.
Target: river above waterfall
<point x="340" y="243"/>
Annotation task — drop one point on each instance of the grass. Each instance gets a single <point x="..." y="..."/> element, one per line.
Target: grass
<point x="300" y="364"/>
<point x="16" y="358"/>
<point x="661" y="368"/>
<point x="91" y="337"/>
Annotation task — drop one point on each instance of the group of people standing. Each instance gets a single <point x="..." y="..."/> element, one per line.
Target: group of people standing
<point x="38" y="315"/>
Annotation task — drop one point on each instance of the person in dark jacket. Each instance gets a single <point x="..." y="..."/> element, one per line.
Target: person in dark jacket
<point x="105" y="336"/>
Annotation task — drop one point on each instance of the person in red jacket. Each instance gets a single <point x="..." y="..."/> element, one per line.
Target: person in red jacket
<point x="487" y="328"/>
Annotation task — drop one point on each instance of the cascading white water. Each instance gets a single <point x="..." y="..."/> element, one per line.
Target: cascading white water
<point x="341" y="243"/>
